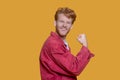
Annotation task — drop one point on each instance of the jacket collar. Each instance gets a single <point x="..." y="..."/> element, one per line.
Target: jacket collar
<point x="55" y="35"/>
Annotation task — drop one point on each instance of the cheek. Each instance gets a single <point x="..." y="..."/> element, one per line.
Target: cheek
<point x="69" y="27"/>
<point x="59" y="25"/>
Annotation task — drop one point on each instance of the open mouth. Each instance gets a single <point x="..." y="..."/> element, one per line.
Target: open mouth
<point x="63" y="29"/>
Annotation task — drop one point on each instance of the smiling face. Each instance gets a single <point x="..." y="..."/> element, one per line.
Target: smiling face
<point x="63" y="25"/>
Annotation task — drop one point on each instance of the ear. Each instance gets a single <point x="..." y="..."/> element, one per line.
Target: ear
<point x="55" y="23"/>
<point x="71" y="27"/>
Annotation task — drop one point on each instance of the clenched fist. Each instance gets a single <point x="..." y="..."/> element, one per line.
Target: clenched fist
<point x="82" y="39"/>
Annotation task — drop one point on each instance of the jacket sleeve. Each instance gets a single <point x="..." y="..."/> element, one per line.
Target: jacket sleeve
<point x="67" y="64"/>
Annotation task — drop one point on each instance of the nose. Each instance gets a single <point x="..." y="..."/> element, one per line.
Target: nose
<point x="64" y="24"/>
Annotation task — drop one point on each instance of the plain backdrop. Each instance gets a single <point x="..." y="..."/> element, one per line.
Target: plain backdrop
<point x="25" y="25"/>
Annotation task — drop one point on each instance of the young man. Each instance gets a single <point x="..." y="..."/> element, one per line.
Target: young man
<point x="56" y="60"/>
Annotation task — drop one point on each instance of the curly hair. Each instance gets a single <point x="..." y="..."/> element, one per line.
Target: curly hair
<point x="67" y="12"/>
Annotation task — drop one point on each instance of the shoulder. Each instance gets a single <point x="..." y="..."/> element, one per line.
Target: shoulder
<point x="52" y="42"/>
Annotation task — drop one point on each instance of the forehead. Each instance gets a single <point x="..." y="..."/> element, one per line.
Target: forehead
<point x="63" y="17"/>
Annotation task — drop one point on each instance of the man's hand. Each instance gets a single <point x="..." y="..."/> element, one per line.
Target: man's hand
<point x="82" y="39"/>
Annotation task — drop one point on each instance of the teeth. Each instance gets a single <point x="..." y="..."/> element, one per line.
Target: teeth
<point x="63" y="30"/>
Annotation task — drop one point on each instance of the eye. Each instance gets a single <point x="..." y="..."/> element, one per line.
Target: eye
<point x="68" y="22"/>
<point x="61" y="21"/>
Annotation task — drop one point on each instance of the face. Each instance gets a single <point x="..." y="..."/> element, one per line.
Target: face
<point x="63" y="25"/>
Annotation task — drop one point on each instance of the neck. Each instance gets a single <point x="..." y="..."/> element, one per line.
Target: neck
<point x="62" y="37"/>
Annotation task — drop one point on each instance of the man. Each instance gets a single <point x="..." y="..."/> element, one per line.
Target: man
<point x="56" y="60"/>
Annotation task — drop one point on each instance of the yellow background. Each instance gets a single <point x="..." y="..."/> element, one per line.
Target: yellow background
<point x="25" y="25"/>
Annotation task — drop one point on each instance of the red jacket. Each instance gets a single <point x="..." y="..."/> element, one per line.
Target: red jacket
<point x="57" y="62"/>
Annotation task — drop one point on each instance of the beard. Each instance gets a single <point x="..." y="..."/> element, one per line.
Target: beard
<point x="62" y="32"/>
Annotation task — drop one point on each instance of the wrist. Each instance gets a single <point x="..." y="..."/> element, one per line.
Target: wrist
<point x="85" y="44"/>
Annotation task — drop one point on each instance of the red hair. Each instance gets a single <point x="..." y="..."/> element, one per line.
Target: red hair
<point x="67" y="12"/>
